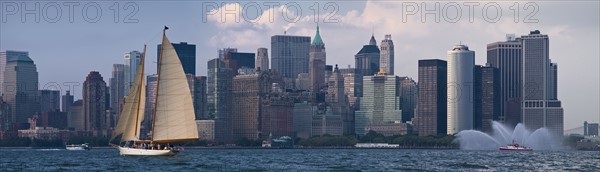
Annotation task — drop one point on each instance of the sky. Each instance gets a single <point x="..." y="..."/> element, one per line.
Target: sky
<point x="69" y="39"/>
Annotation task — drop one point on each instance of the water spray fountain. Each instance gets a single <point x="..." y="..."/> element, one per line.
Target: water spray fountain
<point x="540" y="139"/>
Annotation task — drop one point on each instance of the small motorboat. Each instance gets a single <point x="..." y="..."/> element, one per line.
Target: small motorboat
<point x="84" y="146"/>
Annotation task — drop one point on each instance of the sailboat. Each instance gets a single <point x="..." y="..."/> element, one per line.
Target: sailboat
<point x="173" y="117"/>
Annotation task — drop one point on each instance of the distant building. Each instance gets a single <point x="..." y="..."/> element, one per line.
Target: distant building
<point x="303" y="81"/>
<point x="262" y="59"/>
<point x="20" y="85"/>
<point x="5" y="117"/>
<point x="54" y="119"/>
<point x="431" y="115"/>
<point x="132" y="60"/>
<point x="151" y="81"/>
<point x="409" y="93"/>
<point x="461" y="63"/>
<point x="4" y="57"/>
<point x="541" y="108"/>
<point x="327" y="124"/>
<point x="67" y="101"/>
<point x="349" y="85"/>
<point x="302" y="119"/>
<point x="366" y="63"/>
<point x="246" y="95"/>
<point x="386" y="60"/>
<point x="200" y="102"/>
<point x="380" y="104"/>
<point x="277" y="117"/>
<point x="49" y="100"/>
<point x="290" y="55"/>
<point x="487" y="98"/>
<point x="75" y="116"/>
<point x="337" y="101"/>
<point x="117" y="87"/>
<point x="316" y="66"/>
<point x="238" y="60"/>
<point x="391" y="129"/>
<point x="590" y="129"/>
<point x="94" y="106"/>
<point x="506" y="56"/>
<point x="219" y="84"/>
<point x="42" y="133"/>
<point x="187" y="56"/>
<point x="206" y="129"/>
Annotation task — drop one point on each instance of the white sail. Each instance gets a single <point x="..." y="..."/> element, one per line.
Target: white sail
<point x="132" y="114"/>
<point x="174" y="118"/>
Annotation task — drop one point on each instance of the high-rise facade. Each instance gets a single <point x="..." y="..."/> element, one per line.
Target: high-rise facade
<point x="20" y="85"/>
<point x="94" y="105"/>
<point x="262" y="59"/>
<point x="247" y="93"/>
<point x="219" y="84"/>
<point x="337" y="101"/>
<point x="386" y="60"/>
<point x="67" y="101"/>
<point x="431" y="114"/>
<point x="76" y="117"/>
<point x="506" y="56"/>
<point x="4" y="56"/>
<point x="132" y="61"/>
<point x="49" y="100"/>
<point x="366" y="63"/>
<point x="486" y="100"/>
<point x="380" y="103"/>
<point x="200" y="103"/>
<point x="409" y="93"/>
<point x="290" y="55"/>
<point x="541" y="107"/>
<point x="238" y="60"/>
<point x="302" y="119"/>
<point x="187" y="55"/>
<point x="461" y="63"/>
<point x="5" y="117"/>
<point x="117" y="87"/>
<point x="316" y="66"/>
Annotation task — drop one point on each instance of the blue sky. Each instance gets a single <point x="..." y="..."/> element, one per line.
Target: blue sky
<point x="66" y="51"/>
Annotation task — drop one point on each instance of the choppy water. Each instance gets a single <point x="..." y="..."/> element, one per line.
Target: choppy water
<point x="301" y="160"/>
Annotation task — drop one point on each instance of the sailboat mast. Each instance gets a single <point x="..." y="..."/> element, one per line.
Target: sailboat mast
<point x="157" y="83"/>
<point x="139" y="98"/>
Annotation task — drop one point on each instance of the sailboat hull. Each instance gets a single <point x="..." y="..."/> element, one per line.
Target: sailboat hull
<point x="146" y="152"/>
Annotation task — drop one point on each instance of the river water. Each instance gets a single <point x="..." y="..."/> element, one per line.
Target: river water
<point x="300" y="160"/>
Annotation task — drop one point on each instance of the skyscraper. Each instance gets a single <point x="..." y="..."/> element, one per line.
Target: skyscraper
<point x="76" y="117"/>
<point x="366" y="63"/>
<point x="541" y="108"/>
<point x="316" y="66"/>
<point x="67" y="101"/>
<point x="132" y="60"/>
<point x="200" y="97"/>
<point x="386" y="60"/>
<point x="409" y="94"/>
<point x="5" y="117"/>
<point x="238" y="60"/>
<point x="247" y="93"/>
<point x="487" y="98"/>
<point x="461" y="62"/>
<point x="262" y="59"/>
<point x="21" y="86"/>
<point x="349" y="76"/>
<point x="49" y="100"/>
<point x="94" y="105"/>
<point x="117" y="87"/>
<point x="219" y="84"/>
<point x="151" y="81"/>
<point x="431" y="114"/>
<point x="380" y="104"/>
<point x="338" y="103"/>
<point x="4" y="56"/>
<point x="187" y="55"/>
<point x="290" y="55"/>
<point x="507" y="58"/>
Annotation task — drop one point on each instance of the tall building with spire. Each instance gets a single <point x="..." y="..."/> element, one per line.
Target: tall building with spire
<point x="366" y="63"/>
<point x="20" y="80"/>
<point x="317" y="64"/>
<point x="94" y="105"/>
<point x="262" y="59"/>
<point x="386" y="60"/>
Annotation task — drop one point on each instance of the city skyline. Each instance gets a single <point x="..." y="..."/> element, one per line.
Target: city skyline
<point x="575" y="106"/>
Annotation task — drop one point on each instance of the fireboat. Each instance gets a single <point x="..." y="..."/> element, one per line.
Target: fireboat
<point x="515" y="147"/>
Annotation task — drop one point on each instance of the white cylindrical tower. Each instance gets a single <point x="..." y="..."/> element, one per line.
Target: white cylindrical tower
<point x="461" y="62"/>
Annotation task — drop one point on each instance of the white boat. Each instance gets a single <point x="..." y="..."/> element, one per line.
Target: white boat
<point x="173" y="117"/>
<point x="78" y="147"/>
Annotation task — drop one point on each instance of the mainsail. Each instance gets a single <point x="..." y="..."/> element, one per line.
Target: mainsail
<point x="174" y="118"/>
<point x="132" y="114"/>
